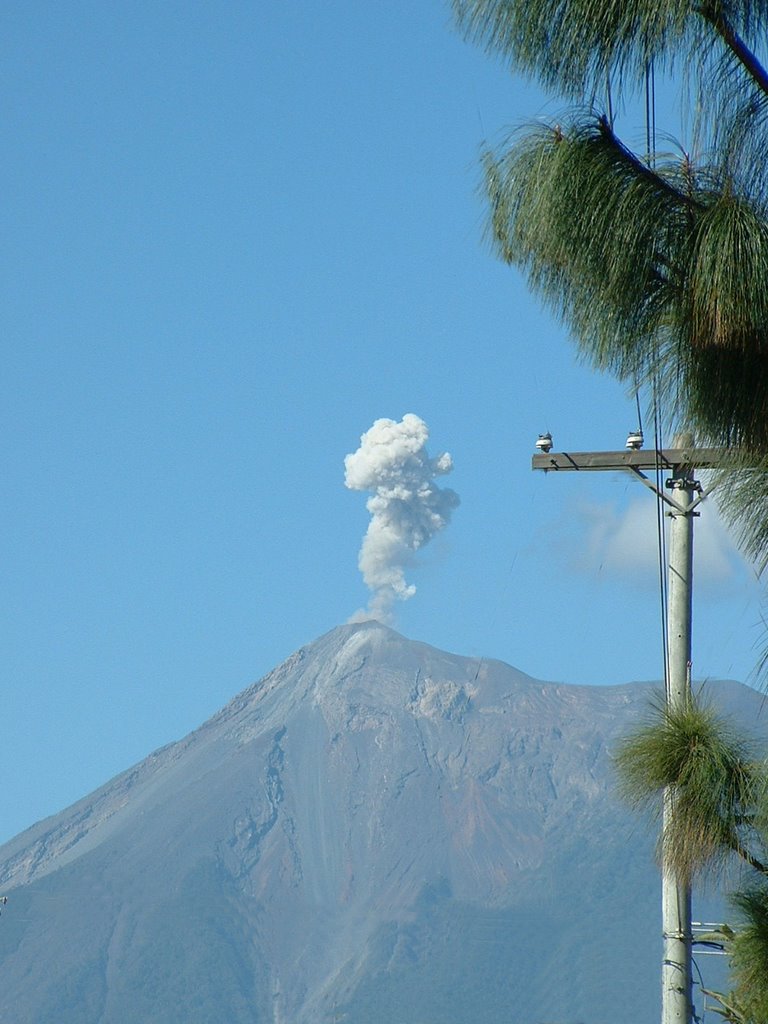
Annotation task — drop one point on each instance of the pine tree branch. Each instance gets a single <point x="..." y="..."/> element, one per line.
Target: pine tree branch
<point x="746" y="856"/>
<point x="643" y="171"/>
<point x="730" y="1011"/>
<point x="737" y="46"/>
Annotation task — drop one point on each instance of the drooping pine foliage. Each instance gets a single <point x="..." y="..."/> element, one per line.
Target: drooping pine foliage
<point x="659" y="268"/>
<point x="716" y="784"/>
<point x="569" y="45"/>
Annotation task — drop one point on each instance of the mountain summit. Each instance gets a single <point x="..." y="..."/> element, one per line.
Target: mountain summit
<point x="376" y="831"/>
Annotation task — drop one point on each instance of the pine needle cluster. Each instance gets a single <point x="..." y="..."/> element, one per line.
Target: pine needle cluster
<point x="714" y="779"/>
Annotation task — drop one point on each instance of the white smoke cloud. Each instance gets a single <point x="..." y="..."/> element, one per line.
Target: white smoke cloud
<point x="407" y="507"/>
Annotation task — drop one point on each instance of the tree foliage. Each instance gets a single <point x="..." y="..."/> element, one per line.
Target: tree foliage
<point x="716" y="781"/>
<point x="657" y="262"/>
<point x="659" y="266"/>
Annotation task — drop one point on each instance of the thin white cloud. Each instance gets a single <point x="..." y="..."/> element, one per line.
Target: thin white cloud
<point x="622" y="541"/>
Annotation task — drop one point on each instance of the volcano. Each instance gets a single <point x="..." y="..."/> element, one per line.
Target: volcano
<point x="377" y="831"/>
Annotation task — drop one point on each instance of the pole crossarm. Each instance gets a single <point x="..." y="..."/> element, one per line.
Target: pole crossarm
<point x="666" y="459"/>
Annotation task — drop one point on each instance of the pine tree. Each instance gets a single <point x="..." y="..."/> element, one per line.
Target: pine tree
<point x="657" y="262"/>
<point x="656" y="259"/>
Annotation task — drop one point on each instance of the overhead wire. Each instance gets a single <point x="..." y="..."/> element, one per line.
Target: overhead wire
<point x="699" y="1018"/>
<point x="661" y="541"/>
<point x="661" y="536"/>
<point x="609" y="97"/>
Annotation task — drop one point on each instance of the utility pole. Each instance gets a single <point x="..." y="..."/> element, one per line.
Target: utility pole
<point x="676" y="892"/>
<point x="686" y="493"/>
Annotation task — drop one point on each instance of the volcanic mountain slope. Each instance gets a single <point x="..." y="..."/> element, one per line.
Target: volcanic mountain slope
<point x="376" y="831"/>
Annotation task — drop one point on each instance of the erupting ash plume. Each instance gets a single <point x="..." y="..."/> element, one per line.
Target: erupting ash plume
<point x="407" y="507"/>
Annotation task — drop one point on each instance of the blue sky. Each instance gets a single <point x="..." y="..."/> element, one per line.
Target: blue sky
<point x="234" y="236"/>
